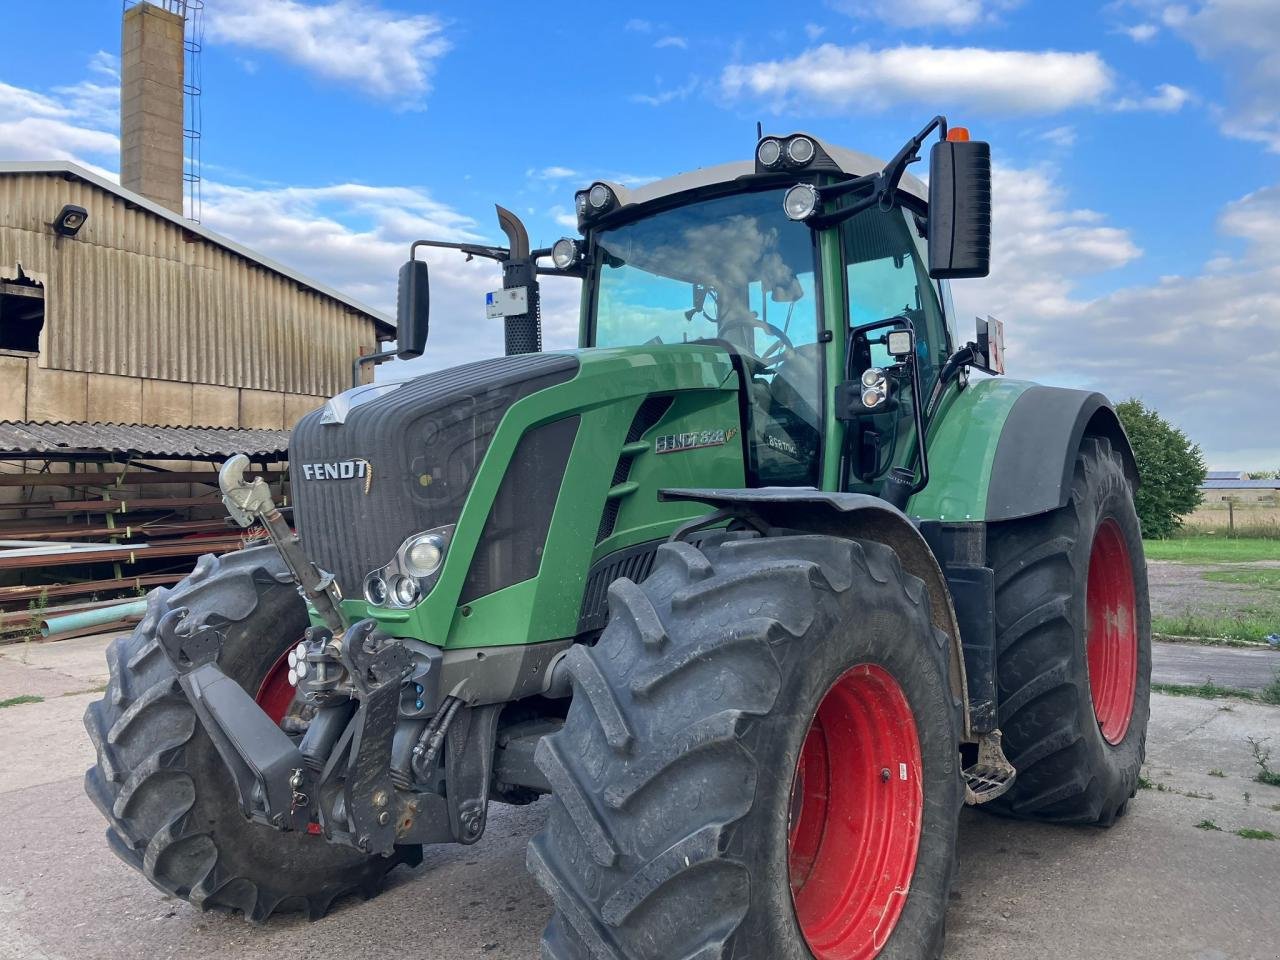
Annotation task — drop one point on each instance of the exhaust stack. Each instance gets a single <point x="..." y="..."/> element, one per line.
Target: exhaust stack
<point x="524" y="330"/>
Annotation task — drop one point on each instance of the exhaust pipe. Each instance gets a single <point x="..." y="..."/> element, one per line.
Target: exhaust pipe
<point x="523" y="331"/>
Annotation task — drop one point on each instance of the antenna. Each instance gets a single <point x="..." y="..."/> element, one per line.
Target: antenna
<point x="759" y="130"/>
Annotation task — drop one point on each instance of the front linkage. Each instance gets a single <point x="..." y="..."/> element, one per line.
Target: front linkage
<point x="361" y="775"/>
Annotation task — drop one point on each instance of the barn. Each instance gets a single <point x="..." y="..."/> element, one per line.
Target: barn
<point x="138" y="351"/>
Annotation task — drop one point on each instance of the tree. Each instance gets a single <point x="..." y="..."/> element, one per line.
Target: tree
<point x="1171" y="467"/>
<point x="1263" y="475"/>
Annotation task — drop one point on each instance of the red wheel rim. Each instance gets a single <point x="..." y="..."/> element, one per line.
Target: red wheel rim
<point x="1111" y="632"/>
<point x="275" y="693"/>
<point x="857" y="805"/>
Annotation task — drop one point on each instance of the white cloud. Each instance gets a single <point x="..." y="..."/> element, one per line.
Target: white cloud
<point x="813" y="31"/>
<point x="1063" y="137"/>
<point x="1199" y="348"/>
<point x="954" y="14"/>
<point x="681" y="43"/>
<point x="639" y="25"/>
<point x="1167" y="99"/>
<point x="76" y="122"/>
<point x="1141" y="32"/>
<point x="667" y="95"/>
<point x="1243" y="37"/>
<point x="1001" y="81"/>
<point x="563" y="217"/>
<point x="554" y="173"/>
<point x="377" y="51"/>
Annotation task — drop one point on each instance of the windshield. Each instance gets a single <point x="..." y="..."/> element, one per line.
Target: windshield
<point x="735" y="270"/>
<point x="729" y="268"/>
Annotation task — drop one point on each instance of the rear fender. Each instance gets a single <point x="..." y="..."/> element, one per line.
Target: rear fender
<point x="853" y="515"/>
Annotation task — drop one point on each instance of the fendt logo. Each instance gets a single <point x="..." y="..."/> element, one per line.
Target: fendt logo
<point x="358" y="468"/>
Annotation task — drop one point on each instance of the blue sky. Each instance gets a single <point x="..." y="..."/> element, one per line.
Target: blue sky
<point x="1137" y="146"/>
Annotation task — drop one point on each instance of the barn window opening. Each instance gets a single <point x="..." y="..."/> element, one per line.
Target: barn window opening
<point x="21" y="313"/>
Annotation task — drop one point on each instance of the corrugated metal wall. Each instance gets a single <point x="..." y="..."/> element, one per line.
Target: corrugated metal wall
<point x="135" y="295"/>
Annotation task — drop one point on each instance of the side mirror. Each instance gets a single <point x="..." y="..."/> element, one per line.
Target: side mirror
<point x="413" y="307"/>
<point x="959" y="209"/>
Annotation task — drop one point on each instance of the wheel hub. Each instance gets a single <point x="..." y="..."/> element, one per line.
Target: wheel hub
<point x="1111" y="632"/>
<point x="857" y="807"/>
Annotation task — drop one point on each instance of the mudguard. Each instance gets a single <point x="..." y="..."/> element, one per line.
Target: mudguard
<point x="1036" y="453"/>
<point x="1005" y="449"/>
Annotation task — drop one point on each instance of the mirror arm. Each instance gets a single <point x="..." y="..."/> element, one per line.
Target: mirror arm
<point x="358" y="363"/>
<point x="501" y="254"/>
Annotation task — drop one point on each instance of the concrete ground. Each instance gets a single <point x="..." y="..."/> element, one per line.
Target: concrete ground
<point x="1189" y="663"/>
<point x="1154" y="887"/>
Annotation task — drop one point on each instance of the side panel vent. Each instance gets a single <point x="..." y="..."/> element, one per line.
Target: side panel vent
<point x="651" y="411"/>
<point x="635" y="563"/>
<point x="510" y="548"/>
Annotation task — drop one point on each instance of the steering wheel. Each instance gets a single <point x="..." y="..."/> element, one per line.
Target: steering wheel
<point x="781" y="340"/>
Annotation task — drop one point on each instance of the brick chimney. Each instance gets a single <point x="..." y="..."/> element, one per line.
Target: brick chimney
<point x="151" y="104"/>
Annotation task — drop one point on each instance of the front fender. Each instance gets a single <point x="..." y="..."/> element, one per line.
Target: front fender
<point x="853" y="515"/>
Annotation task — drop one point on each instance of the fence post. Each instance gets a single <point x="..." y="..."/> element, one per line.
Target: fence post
<point x="1231" y="517"/>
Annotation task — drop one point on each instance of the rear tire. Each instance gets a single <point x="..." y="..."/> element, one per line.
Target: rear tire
<point x="676" y="802"/>
<point x="171" y="807"/>
<point x="1077" y="742"/>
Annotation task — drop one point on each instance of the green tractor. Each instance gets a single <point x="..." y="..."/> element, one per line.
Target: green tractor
<point x="757" y="584"/>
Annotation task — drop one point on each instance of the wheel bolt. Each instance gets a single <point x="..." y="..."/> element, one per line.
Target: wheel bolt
<point x="884" y="774"/>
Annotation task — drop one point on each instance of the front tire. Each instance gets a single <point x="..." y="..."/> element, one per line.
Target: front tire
<point x="760" y="759"/>
<point x="1074" y="644"/>
<point x="171" y="806"/>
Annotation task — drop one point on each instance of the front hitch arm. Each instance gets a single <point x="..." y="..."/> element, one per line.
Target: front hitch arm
<point x="249" y="503"/>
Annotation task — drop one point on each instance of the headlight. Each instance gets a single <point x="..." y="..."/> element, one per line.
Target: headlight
<point x="873" y="377"/>
<point x="422" y="557"/>
<point x="769" y="152"/>
<point x="404" y="592"/>
<point x="375" y="590"/>
<point x="800" y="150"/>
<point x="600" y="197"/>
<point x="564" y="253"/>
<point x="801" y="201"/>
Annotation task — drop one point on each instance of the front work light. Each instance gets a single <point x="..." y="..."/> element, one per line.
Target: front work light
<point x="801" y="201"/>
<point x="69" y="220"/>
<point x="565" y="253"/>
<point x="600" y="197"/>
<point x="769" y="152"/>
<point x="800" y="150"/>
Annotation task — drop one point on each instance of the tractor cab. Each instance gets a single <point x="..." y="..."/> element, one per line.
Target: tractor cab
<point x="690" y="261"/>
<point x="816" y="268"/>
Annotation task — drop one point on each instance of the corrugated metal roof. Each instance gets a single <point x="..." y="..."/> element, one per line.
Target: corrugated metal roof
<point x="19" y="439"/>
<point x="1225" y="475"/>
<point x="1240" y="485"/>
<point x="75" y="170"/>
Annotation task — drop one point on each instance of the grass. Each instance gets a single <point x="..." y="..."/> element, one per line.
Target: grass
<point x="1262" y="757"/>
<point x="1212" y="550"/>
<point x="1217" y="773"/>
<point x="1268" y="577"/>
<point x="24" y="698"/>
<point x="1208" y="825"/>
<point x="1207" y="690"/>
<point x="1251" y="624"/>
<point x="1249" y="833"/>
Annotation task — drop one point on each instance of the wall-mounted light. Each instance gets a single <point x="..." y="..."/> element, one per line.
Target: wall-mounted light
<point x="69" y="220"/>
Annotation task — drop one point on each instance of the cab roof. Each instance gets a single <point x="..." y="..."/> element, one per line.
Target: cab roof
<point x="851" y="162"/>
